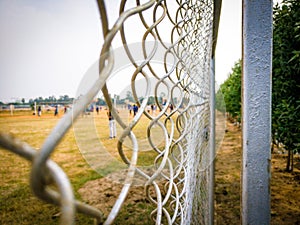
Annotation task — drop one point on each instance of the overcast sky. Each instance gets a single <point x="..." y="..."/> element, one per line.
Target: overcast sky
<point x="47" y="46"/>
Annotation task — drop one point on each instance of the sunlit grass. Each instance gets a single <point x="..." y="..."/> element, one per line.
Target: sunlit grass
<point x="20" y="206"/>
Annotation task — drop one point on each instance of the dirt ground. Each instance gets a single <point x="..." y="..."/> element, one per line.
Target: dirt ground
<point x="285" y="189"/>
<point x="285" y="186"/>
<point x="103" y="193"/>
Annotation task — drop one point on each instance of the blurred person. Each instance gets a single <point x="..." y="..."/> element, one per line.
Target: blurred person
<point x="56" y="111"/>
<point x="39" y="111"/>
<point x="112" y="125"/>
<point x="135" y="109"/>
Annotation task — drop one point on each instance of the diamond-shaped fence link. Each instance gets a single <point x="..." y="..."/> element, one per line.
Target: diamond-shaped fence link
<point x="172" y="60"/>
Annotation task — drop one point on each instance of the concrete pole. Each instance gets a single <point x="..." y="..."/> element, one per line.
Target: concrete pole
<point x="212" y="145"/>
<point x="115" y="101"/>
<point x="256" y="105"/>
<point x="11" y="106"/>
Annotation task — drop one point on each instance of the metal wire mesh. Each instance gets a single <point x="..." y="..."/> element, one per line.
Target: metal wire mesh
<point x="180" y="33"/>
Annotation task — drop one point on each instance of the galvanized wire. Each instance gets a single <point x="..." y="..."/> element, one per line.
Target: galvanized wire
<point x="179" y="186"/>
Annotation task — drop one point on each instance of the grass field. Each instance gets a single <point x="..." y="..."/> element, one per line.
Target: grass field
<point x="19" y="206"/>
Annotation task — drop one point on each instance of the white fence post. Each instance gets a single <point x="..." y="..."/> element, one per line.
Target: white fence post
<point x="256" y="103"/>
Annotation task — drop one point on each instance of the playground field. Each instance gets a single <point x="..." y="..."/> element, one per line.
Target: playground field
<point x="19" y="206"/>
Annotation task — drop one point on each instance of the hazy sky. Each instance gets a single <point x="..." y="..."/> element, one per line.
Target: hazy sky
<point x="47" y="46"/>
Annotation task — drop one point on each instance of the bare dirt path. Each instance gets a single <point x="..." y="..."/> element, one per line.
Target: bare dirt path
<point x="285" y="187"/>
<point x="228" y="171"/>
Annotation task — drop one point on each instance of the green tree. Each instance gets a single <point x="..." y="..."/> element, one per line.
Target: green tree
<point x="129" y="96"/>
<point x="230" y="94"/>
<point x="100" y="101"/>
<point x="286" y="77"/>
<point x="151" y="100"/>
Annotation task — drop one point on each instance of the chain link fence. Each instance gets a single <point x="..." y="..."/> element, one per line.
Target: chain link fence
<point x="170" y="63"/>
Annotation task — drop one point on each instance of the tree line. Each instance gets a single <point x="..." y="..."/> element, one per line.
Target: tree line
<point x="66" y="99"/>
<point x="285" y="81"/>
